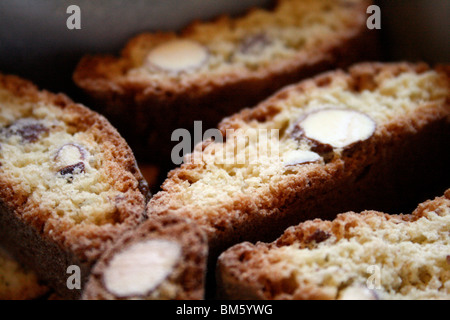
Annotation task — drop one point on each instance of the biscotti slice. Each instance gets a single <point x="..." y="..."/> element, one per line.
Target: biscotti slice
<point x="357" y="256"/>
<point x="164" y="259"/>
<point x="69" y="184"/>
<point x="166" y="81"/>
<point x="373" y="138"/>
<point x="18" y="282"/>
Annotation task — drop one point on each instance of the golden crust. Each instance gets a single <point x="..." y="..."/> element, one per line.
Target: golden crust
<point x="323" y="191"/>
<point x="360" y="76"/>
<point x="189" y="277"/>
<point x="109" y="73"/>
<point x="24" y="221"/>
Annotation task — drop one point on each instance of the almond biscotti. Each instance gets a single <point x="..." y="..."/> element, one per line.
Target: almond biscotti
<point x="18" y="282"/>
<point x="166" y="81"/>
<point x="153" y="175"/>
<point x="372" y="138"/>
<point x="164" y="259"/>
<point x="69" y="183"/>
<point x="357" y="256"/>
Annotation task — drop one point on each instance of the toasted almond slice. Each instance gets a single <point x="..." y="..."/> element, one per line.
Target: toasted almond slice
<point x="178" y="55"/>
<point x="69" y="155"/>
<point x="254" y="44"/>
<point x="29" y="130"/>
<point x="295" y="157"/>
<point x="140" y="268"/>
<point x="358" y="293"/>
<point x="338" y="128"/>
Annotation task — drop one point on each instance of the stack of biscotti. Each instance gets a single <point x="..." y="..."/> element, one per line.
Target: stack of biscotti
<point x="164" y="259"/>
<point x="69" y="184"/>
<point x="357" y="256"/>
<point x="369" y="138"/>
<point x="18" y="282"/>
<point x="166" y="81"/>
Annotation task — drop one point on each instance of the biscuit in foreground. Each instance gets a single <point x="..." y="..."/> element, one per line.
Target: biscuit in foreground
<point x="373" y="137"/>
<point x="69" y="183"/>
<point x="164" y="259"/>
<point x="366" y="256"/>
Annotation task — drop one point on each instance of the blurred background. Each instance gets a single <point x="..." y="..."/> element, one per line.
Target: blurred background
<point x="36" y="44"/>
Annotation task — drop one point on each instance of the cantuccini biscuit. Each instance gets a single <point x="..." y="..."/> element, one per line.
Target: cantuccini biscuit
<point x="371" y="138"/>
<point x="367" y="256"/>
<point x="69" y="183"/>
<point x="165" y="80"/>
<point x="165" y="258"/>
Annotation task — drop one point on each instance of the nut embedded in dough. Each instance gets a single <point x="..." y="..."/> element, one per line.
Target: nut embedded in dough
<point x="29" y="130"/>
<point x="140" y="268"/>
<point x="296" y="157"/>
<point x="358" y="293"/>
<point x="254" y="44"/>
<point x="338" y="128"/>
<point x="70" y="158"/>
<point x="178" y="56"/>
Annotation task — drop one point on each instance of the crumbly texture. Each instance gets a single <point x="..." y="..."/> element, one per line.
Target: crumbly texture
<point x="18" y="282"/>
<point x="389" y="256"/>
<point x="243" y="189"/>
<point x="69" y="184"/>
<point x="259" y="41"/>
<point x="186" y="281"/>
<point x="247" y="59"/>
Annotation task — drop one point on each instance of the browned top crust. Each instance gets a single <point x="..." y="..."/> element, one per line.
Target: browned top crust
<point x="249" y="213"/>
<point x="246" y="271"/>
<point x="85" y="239"/>
<point x="106" y="77"/>
<point x="185" y="282"/>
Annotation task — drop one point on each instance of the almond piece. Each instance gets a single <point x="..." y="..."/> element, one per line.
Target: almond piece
<point x="338" y="128"/>
<point x="141" y="268"/>
<point x="358" y="293"/>
<point x="254" y="44"/>
<point x="70" y="158"/>
<point x="178" y="55"/>
<point x="296" y="157"/>
<point x="29" y="130"/>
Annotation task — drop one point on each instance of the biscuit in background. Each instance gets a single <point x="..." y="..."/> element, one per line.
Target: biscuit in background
<point x="166" y="80"/>
<point x="70" y="184"/>
<point x="163" y="259"/>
